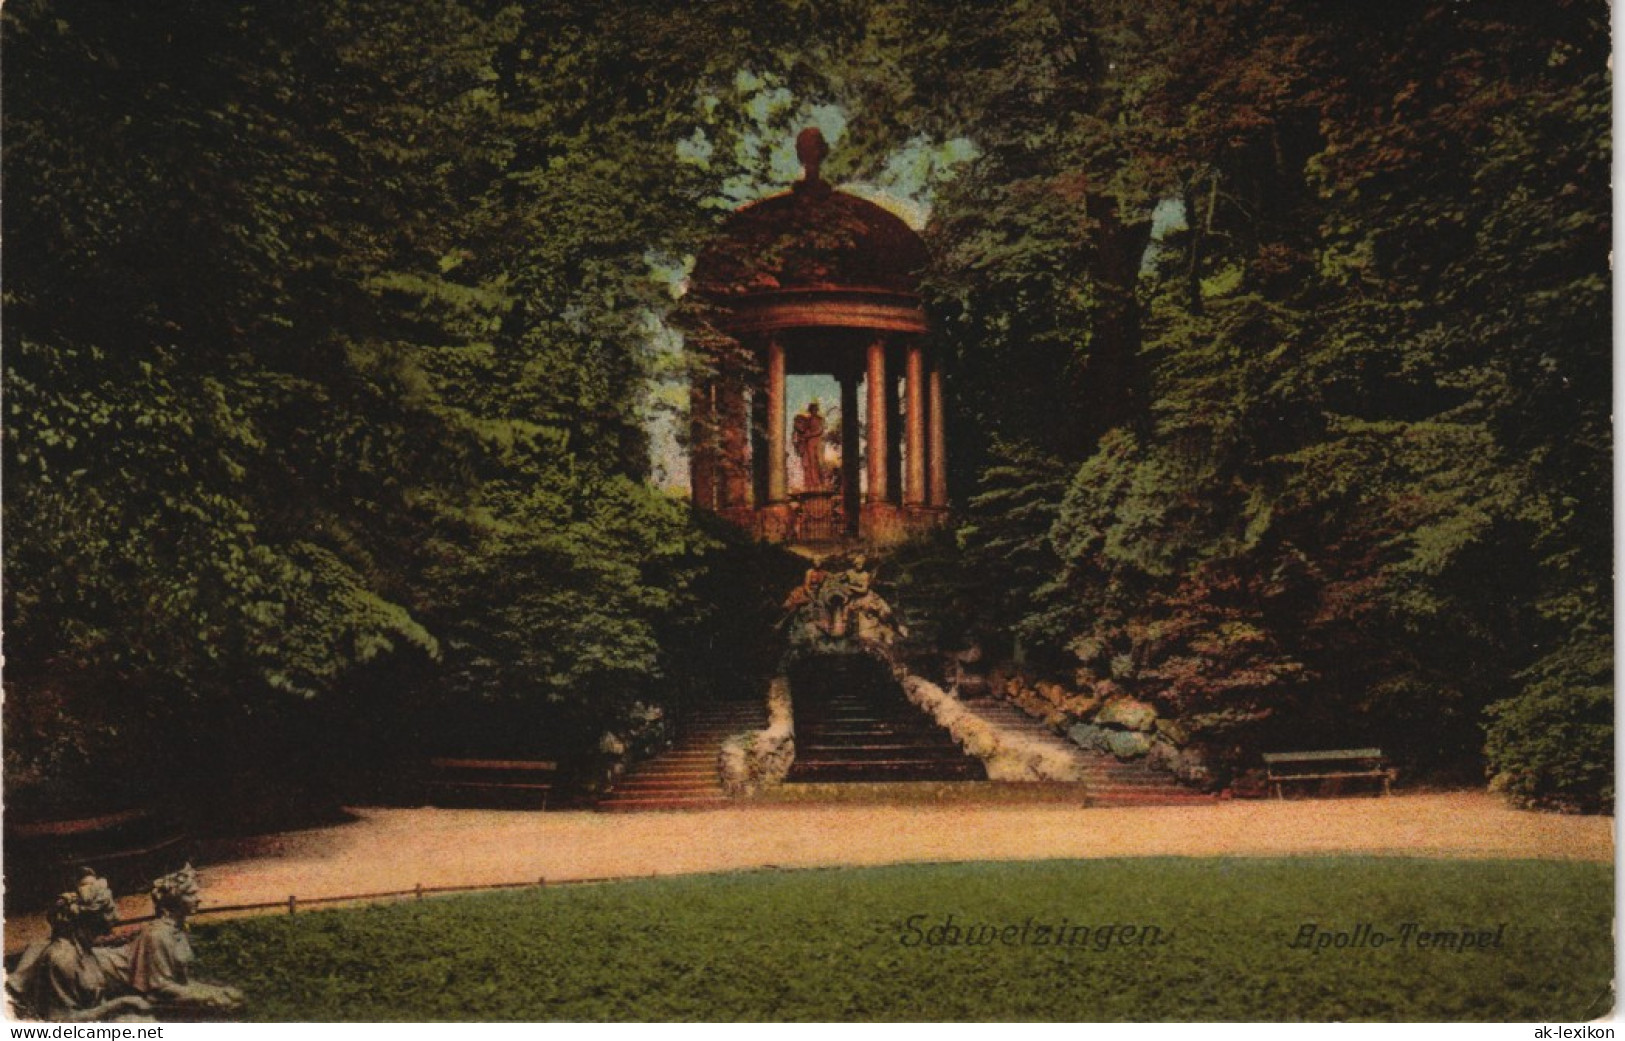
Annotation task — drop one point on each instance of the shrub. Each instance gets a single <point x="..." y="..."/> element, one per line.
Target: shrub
<point x="1552" y="744"/>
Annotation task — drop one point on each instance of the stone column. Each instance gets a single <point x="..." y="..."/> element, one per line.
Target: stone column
<point x="877" y="447"/>
<point x="849" y="451"/>
<point x="914" y="488"/>
<point x="894" y="432"/>
<point x="777" y="474"/>
<point x="939" y="439"/>
<point x="758" y="445"/>
<point x="734" y="423"/>
<point x="702" y="453"/>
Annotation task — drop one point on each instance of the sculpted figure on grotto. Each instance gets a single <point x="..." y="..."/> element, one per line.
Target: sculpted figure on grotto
<point x="839" y="606"/>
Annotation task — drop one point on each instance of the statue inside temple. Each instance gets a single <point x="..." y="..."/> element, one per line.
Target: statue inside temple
<point x="808" y="435"/>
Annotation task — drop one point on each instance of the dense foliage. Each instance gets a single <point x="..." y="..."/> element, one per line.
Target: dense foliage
<point x="328" y="332"/>
<point x="1279" y="337"/>
<point x="1308" y="303"/>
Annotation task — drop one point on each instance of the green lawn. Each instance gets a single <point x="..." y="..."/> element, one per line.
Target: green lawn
<point x="837" y="945"/>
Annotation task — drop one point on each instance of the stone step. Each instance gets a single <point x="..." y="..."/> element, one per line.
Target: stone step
<point x="811" y="736"/>
<point x="1127" y="773"/>
<point x="856" y="726"/>
<point x="684" y="777"/>
<point x="1165" y="797"/>
<point x="669" y="777"/>
<point x="864" y="726"/>
<point x="634" y="805"/>
<point x="641" y="789"/>
<point x="903" y="731"/>
<point x="857" y="757"/>
<point x="884" y="772"/>
<point x="814" y="737"/>
<point x="859" y="726"/>
<point x="698" y="769"/>
<point x="869" y="746"/>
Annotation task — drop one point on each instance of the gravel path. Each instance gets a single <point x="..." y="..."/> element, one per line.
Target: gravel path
<point x="389" y="849"/>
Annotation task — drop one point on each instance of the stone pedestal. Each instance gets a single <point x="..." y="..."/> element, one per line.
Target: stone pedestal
<point x="886" y="524"/>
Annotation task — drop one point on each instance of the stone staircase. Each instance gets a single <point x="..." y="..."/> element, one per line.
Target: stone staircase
<point x="684" y="777"/>
<point x="1107" y="780"/>
<point x="853" y="725"/>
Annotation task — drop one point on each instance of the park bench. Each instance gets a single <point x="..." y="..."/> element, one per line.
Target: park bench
<point x="129" y="846"/>
<point x="1282" y="767"/>
<point x="527" y="781"/>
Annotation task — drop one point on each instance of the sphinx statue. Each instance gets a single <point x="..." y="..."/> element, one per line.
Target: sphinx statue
<point x="69" y="979"/>
<point x="159" y="959"/>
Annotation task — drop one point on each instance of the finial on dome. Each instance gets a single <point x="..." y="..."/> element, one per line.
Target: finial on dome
<point x="811" y="149"/>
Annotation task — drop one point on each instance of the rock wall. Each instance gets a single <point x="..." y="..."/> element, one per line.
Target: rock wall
<point x="760" y="759"/>
<point x="1102" y="718"/>
<point x="1007" y="755"/>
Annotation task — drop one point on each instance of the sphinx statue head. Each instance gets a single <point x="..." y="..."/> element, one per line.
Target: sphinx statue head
<point x="176" y="895"/>
<point x="87" y="911"/>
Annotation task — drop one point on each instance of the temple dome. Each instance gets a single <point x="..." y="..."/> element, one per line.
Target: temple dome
<point x="812" y="237"/>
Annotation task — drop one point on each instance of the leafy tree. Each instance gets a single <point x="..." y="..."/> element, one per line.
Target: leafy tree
<point x="178" y="525"/>
<point x="1340" y="278"/>
<point x="328" y="331"/>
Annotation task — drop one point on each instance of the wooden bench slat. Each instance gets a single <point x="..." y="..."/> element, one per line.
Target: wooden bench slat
<point x="105" y="822"/>
<point x="530" y="778"/>
<point x="1320" y="777"/>
<point x="1346" y="763"/>
<point x="1313" y="757"/>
